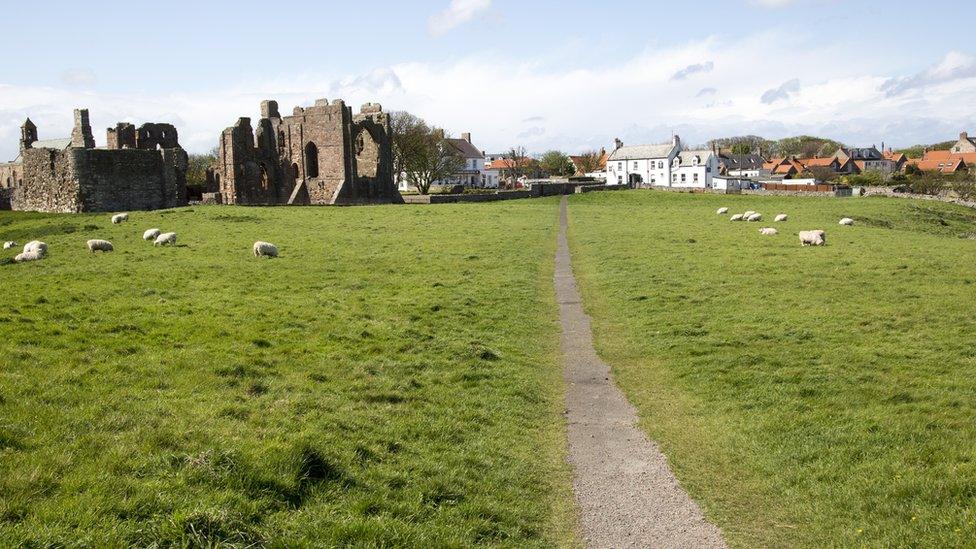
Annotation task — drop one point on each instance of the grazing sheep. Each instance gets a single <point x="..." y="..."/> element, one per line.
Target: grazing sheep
<point x="265" y="249"/>
<point x="748" y="214"/>
<point x="100" y="246"/>
<point x="36" y="246"/>
<point x="768" y="231"/>
<point x="164" y="239"/>
<point x="781" y="218"/>
<point x="737" y="217"/>
<point x="754" y="217"/>
<point x="8" y="245"/>
<point x="813" y="238"/>
<point x="119" y="218"/>
<point x="847" y="222"/>
<point x="722" y="211"/>
<point x="32" y="255"/>
<point x="151" y="234"/>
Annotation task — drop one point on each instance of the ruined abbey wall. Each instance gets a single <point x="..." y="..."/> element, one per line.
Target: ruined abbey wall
<point x="322" y="154"/>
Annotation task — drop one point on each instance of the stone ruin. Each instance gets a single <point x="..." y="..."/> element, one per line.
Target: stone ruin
<point x="141" y="168"/>
<point x="323" y="154"/>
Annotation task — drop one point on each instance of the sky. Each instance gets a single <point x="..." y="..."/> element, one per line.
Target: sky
<point x="569" y="75"/>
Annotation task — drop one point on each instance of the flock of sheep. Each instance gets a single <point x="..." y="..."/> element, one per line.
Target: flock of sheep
<point x="36" y="250"/>
<point x="807" y="238"/>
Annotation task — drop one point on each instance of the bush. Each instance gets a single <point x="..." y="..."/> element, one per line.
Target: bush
<point x="964" y="187"/>
<point x="928" y="184"/>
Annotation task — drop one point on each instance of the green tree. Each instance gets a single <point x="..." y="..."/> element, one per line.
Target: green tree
<point x="409" y="133"/>
<point x="556" y="163"/>
<point x="196" y="173"/>
<point x="588" y="162"/>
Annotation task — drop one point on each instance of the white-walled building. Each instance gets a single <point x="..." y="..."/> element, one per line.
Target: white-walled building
<point x="663" y="165"/>
<point x="472" y="175"/>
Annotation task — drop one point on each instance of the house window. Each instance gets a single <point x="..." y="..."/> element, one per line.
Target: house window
<point x="660" y="165"/>
<point x="696" y="177"/>
<point x="683" y="178"/>
<point x="620" y="165"/>
<point x="620" y="179"/>
<point x="674" y="178"/>
<point x="635" y="165"/>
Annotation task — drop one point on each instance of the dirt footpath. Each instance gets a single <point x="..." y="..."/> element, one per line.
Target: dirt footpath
<point x="626" y="493"/>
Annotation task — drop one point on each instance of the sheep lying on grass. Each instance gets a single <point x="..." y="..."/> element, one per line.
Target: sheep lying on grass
<point x="813" y="238"/>
<point x="722" y="211"/>
<point x="119" y="218"/>
<point x="265" y="249"/>
<point x="781" y="218"/>
<point x="737" y="217"/>
<point x="36" y="246"/>
<point x="100" y="246"/>
<point x="847" y="222"/>
<point x="768" y="231"/>
<point x="151" y="234"/>
<point x="164" y="239"/>
<point x="8" y="245"/>
<point x="32" y="255"/>
<point x="754" y="217"/>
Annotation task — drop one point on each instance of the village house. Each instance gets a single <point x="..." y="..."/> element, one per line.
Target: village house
<point x="866" y="159"/>
<point x="642" y="164"/>
<point x="741" y="165"/>
<point x="944" y="162"/>
<point x="965" y="144"/>
<point x="580" y="165"/>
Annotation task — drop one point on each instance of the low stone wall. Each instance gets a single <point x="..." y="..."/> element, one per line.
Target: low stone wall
<point x="458" y="198"/>
<point x="840" y="193"/>
<point x="597" y="188"/>
<point x="942" y="197"/>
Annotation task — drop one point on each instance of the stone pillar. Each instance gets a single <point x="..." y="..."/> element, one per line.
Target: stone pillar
<point x="81" y="135"/>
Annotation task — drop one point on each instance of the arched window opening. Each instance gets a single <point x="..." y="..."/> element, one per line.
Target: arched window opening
<point x="311" y="161"/>
<point x="294" y="171"/>
<point x="265" y="183"/>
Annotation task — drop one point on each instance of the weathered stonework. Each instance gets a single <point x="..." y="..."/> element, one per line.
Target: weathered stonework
<point x="141" y="169"/>
<point x="322" y="154"/>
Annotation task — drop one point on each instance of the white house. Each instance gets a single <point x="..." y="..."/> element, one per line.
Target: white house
<point x="694" y="169"/>
<point x="664" y="165"/>
<point x="642" y="164"/>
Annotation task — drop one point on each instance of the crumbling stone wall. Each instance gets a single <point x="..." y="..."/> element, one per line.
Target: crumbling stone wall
<point x="141" y="169"/>
<point x="321" y="154"/>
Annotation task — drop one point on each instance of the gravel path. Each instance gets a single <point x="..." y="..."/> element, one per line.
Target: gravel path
<point x="626" y="493"/>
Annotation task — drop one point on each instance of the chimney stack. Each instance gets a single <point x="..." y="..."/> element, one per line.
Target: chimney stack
<point x="964" y="136"/>
<point x="618" y="144"/>
<point x="466" y="137"/>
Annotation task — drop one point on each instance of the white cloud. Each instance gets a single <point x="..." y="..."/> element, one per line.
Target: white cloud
<point x="697" y="68"/>
<point x="554" y="104"/>
<point x="954" y="66"/>
<point x="771" y="3"/>
<point x="457" y="13"/>
<point x="78" y="77"/>
<point x="784" y="91"/>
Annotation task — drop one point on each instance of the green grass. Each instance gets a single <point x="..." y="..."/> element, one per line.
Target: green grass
<point x="391" y="380"/>
<point x="805" y="396"/>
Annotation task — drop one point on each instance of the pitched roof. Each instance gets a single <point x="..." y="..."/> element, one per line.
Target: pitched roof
<point x="642" y="152"/>
<point x="687" y="158"/>
<point x="942" y="156"/>
<point x="466" y="149"/>
<point x="948" y="165"/>
<point x="57" y="144"/>
<point x="742" y="161"/>
<point x="818" y="162"/>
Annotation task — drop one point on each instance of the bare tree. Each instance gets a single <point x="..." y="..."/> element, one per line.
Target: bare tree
<point x="408" y="132"/>
<point x="434" y="158"/>
<point x="588" y="162"/>
<point x="517" y="163"/>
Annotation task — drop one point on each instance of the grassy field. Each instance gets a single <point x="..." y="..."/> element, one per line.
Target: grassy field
<point x="391" y="380"/>
<point x="805" y="396"/>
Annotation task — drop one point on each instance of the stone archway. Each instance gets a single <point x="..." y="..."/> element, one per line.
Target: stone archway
<point x="311" y="161"/>
<point x="367" y="155"/>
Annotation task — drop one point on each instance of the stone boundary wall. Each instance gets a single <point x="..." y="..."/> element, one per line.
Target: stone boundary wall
<point x="839" y="193"/>
<point x="535" y="191"/>
<point x="943" y="197"/>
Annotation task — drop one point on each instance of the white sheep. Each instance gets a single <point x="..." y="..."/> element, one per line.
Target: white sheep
<point x="151" y="234"/>
<point x="847" y="222"/>
<point x="119" y="218"/>
<point x="32" y="255"/>
<point x="737" y="217"/>
<point x="768" y="231"/>
<point x="36" y="246"/>
<point x="8" y="245"/>
<point x="755" y="217"/>
<point x="813" y="238"/>
<point x="265" y="249"/>
<point x="781" y="218"/>
<point x="722" y="211"/>
<point x="164" y="239"/>
<point x="100" y="246"/>
<point x="748" y="214"/>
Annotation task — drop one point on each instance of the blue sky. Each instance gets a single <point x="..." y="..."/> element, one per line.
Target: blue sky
<point x="568" y="74"/>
